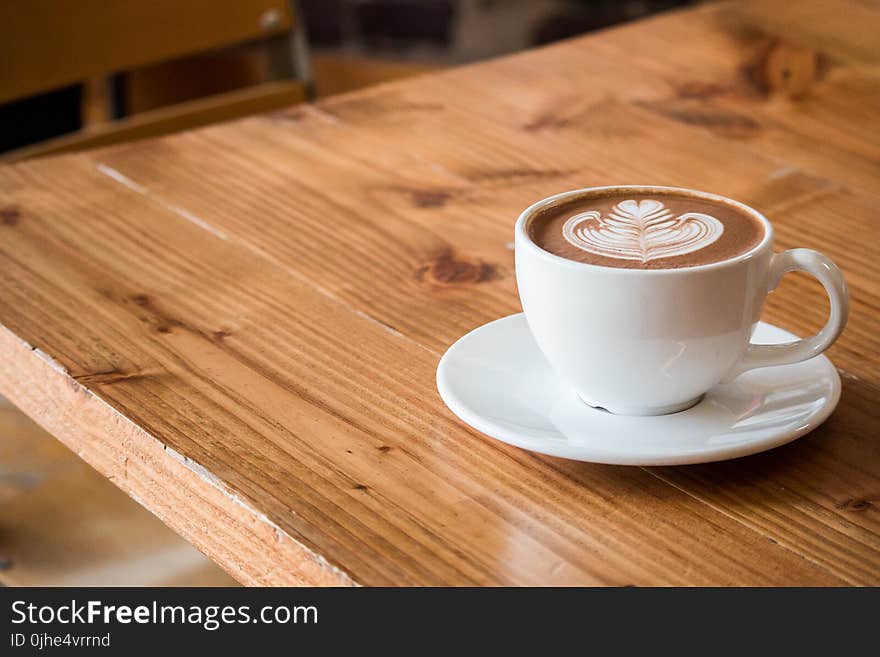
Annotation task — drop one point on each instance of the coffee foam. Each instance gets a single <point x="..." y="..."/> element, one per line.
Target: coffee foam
<point x="645" y="230"/>
<point x="641" y="230"/>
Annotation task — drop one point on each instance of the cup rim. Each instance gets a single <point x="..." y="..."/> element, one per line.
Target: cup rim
<point x="522" y="236"/>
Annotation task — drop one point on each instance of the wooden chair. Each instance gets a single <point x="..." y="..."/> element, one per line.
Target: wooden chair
<point x="48" y="44"/>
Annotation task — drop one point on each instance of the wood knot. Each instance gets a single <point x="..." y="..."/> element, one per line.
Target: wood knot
<point x="361" y="487"/>
<point x="697" y="90"/>
<point x="424" y="197"/>
<point x="717" y="120"/>
<point x="153" y="316"/>
<point x="9" y="215"/>
<point x="221" y="335"/>
<point x="108" y="377"/>
<point x="447" y="269"/>
<point x="784" y="69"/>
<point x="430" y="198"/>
<point x="384" y="448"/>
<point x="855" y="504"/>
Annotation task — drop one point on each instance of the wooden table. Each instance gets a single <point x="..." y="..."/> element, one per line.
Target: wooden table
<point x="240" y="326"/>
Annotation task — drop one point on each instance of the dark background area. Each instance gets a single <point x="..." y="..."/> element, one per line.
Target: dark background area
<point x="433" y="33"/>
<point x="410" y="27"/>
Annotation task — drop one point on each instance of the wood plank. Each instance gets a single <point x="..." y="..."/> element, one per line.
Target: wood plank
<point x="453" y="202"/>
<point x="455" y="186"/>
<point x="757" y="184"/>
<point x="92" y="38"/>
<point x="222" y="362"/>
<point x="817" y="497"/>
<point x="188" y="499"/>
<point x="802" y="99"/>
<point x="66" y="525"/>
<point x="726" y="81"/>
<point x="196" y="76"/>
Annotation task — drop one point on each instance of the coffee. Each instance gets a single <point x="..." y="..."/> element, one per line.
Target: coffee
<point x="650" y="230"/>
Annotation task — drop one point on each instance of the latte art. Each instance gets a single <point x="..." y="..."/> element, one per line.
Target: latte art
<point x="645" y="228"/>
<point x="641" y="230"/>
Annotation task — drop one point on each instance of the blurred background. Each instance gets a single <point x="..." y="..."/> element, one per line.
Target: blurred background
<point x="79" y="74"/>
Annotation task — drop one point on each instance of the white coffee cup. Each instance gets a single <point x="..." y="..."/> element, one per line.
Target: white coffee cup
<point x="653" y="341"/>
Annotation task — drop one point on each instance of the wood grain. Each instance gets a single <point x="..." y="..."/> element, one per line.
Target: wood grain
<point x="177" y="490"/>
<point x="196" y="292"/>
<point x="360" y="463"/>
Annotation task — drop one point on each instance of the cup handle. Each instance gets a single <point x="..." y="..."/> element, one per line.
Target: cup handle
<point x="820" y="266"/>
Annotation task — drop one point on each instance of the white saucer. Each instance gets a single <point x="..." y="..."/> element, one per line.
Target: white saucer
<point x="496" y="380"/>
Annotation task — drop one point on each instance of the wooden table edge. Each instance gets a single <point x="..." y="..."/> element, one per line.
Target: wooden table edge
<point x="243" y="541"/>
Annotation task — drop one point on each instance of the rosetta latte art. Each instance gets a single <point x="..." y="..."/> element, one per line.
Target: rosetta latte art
<point x="641" y="230"/>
